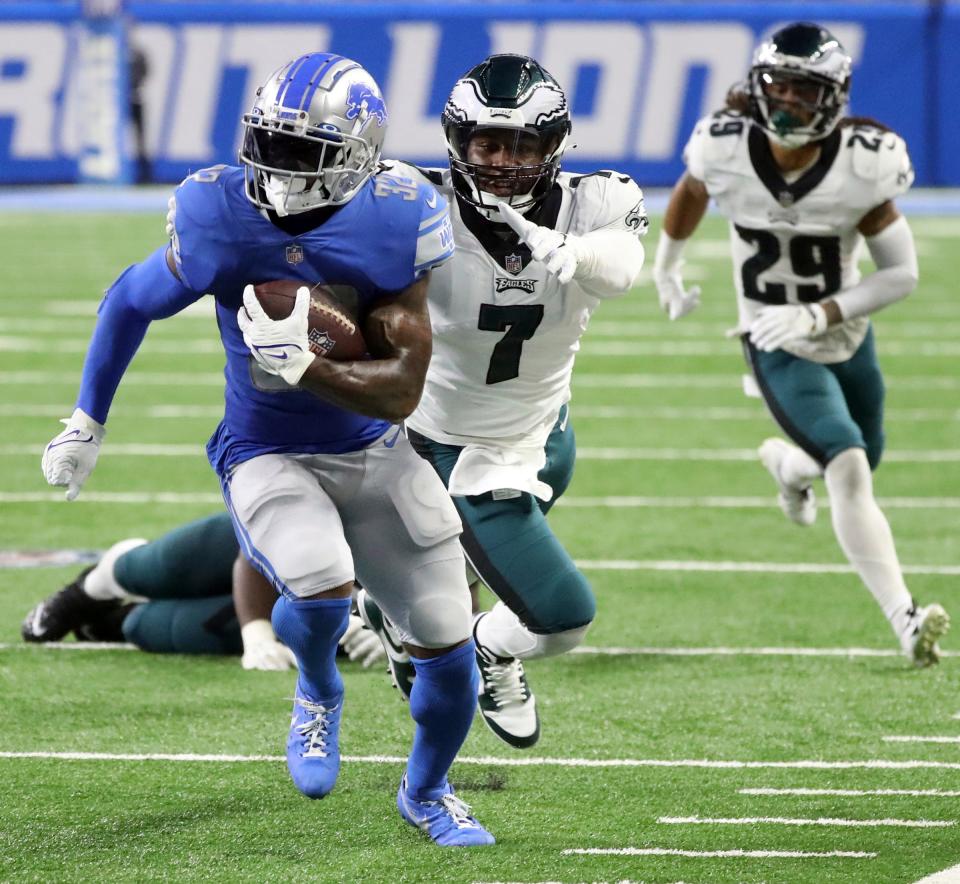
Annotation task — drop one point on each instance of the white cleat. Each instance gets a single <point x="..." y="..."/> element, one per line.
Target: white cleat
<point x="798" y="504"/>
<point x="925" y="627"/>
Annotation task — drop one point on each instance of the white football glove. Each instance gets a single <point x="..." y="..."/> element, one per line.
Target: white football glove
<point x="556" y="251"/>
<point x="777" y="325"/>
<point x="171" y="226"/>
<point x="262" y="651"/>
<point x="675" y="300"/>
<point x="361" y="644"/>
<point x="71" y="456"/>
<point x="280" y="346"/>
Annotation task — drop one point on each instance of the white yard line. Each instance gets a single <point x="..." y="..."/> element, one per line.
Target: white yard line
<point x="855" y="793"/>
<point x="513" y="761"/>
<point x="15" y="344"/>
<point x="718" y="455"/>
<point x="765" y="502"/>
<point x="583" y="379"/>
<point x="586" y="564"/>
<point x="113" y="497"/>
<point x="593" y="412"/>
<point x="736" y="854"/>
<point x="912" y="739"/>
<point x="846" y="653"/>
<point x="731" y="348"/>
<point x="722" y="381"/>
<point x="747" y="567"/>
<point x="768" y="502"/>
<point x="790" y="821"/>
<point x="946" y="876"/>
<point x="589" y="650"/>
<point x="708" y="455"/>
<point x="732" y="413"/>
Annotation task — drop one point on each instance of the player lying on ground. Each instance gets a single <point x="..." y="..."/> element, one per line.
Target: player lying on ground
<point x="321" y="483"/>
<point x="803" y="187"/>
<point x="187" y="592"/>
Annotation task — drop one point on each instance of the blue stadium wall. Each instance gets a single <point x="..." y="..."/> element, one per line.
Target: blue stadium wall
<point x="638" y="75"/>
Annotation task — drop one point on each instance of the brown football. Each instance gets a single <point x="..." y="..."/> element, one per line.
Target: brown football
<point x="334" y="328"/>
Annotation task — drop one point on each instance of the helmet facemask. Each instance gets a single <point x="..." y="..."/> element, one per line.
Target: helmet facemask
<point x="799" y="84"/>
<point x="491" y="165"/>
<point x="302" y="158"/>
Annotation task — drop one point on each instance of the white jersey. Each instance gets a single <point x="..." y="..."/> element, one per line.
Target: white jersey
<point x="505" y="332"/>
<point x="796" y="240"/>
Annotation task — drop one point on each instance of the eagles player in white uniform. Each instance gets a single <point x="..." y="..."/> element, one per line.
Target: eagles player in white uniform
<point x="804" y="188"/>
<point x="537" y="251"/>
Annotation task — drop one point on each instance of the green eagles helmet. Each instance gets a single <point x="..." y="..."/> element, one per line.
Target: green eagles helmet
<point x="799" y="84"/>
<point x="516" y="96"/>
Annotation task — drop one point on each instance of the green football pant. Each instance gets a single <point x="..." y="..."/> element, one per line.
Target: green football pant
<point x="511" y="546"/>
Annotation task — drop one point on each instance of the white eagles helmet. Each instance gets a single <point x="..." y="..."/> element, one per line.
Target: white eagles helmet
<point x="314" y="134"/>
<point x="810" y="57"/>
<point x="506" y="92"/>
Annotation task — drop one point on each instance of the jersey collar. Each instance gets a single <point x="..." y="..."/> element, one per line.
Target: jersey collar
<point x="761" y="157"/>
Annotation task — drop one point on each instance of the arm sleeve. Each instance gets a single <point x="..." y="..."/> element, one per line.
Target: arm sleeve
<point x="143" y="292"/>
<point x="610" y="254"/>
<point x="895" y="255"/>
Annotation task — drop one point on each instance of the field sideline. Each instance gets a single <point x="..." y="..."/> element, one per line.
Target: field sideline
<point x="740" y="713"/>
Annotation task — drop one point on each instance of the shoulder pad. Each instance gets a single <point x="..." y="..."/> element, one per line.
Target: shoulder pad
<point x="880" y="158"/>
<point x="417" y="173"/>
<point x="200" y="196"/>
<point x="714" y="141"/>
<point x="607" y="200"/>
<point x="200" y="223"/>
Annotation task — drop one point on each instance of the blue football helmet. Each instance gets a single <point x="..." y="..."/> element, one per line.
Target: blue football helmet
<point x="314" y="135"/>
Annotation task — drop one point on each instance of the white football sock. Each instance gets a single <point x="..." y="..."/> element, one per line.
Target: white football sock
<point x="500" y="631"/>
<point x="798" y="469"/>
<point x="864" y="534"/>
<point x="100" y="582"/>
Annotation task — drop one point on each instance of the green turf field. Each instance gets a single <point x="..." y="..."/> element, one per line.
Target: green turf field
<point x="665" y="723"/>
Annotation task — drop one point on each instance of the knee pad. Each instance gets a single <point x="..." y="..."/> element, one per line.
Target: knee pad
<point x="438" y="615"/>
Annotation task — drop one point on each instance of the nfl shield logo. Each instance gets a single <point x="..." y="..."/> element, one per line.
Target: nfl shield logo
<point x="513" y="263"/>
<point x="294" y="254"/>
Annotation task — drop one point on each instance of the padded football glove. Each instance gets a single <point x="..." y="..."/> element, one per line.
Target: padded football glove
<point x="71" y="456"/>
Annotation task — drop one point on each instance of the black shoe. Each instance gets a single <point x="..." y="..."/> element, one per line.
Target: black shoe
<point x="69" y="609"/>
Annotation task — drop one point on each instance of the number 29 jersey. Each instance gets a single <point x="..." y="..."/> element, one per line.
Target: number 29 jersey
<point x="794" y="238"/>
<point x="505" y="331"/>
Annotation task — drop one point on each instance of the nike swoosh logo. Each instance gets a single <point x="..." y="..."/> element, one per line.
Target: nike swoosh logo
<point x="76" y="434"/>
<point x="389" y="443"/>
<point x="432" y="201"/>
<point x="272" y="353"/>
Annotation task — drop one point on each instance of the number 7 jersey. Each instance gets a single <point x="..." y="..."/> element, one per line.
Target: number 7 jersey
<point x="505" y="332"/>
<point x="794" y="238"/>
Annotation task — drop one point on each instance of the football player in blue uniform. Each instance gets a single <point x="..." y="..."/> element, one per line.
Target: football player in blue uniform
<point x="317" y="474"/>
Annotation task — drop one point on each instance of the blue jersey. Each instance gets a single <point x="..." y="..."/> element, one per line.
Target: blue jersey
<point x="392" y="231"/>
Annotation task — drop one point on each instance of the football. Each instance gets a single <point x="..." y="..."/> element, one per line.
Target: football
<point x="333" y="318"/>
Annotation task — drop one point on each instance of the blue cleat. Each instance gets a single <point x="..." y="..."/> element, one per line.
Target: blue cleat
<point x="447" y="821"/>
<point x="313" y="746"/>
